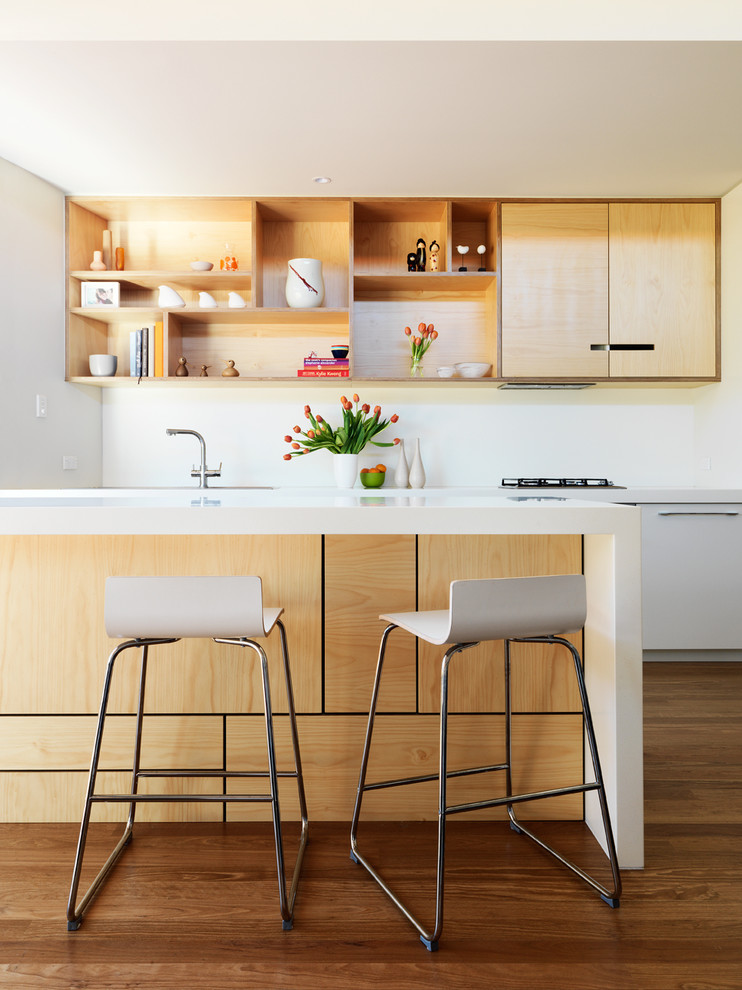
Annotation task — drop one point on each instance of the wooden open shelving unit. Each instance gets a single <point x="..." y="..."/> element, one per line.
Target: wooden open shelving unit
<point x="369" y="295"/>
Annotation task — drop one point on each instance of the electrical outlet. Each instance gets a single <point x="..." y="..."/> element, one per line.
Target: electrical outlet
<point x="705" y="464"/>
<point x="41" y="406"/>
<point x="69" y="462"/>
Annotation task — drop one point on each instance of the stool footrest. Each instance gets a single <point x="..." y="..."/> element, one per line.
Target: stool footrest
<point x="214" y="773"/>
<point x="181" y="798"/>
<point x="468" y="772"/>
<point x="455" y="809"/>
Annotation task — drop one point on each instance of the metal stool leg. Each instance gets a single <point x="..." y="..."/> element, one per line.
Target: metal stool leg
<point x="75" y="912"/>
<point x="610" y="896"/>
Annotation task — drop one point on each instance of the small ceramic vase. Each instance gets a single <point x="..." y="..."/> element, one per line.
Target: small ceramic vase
<point x="96" y="265"/>
<point x="206" y="301"/>
<point x="401" y="472"/>
<point x="417" y="471"/>
<point x="107" y="253"/>
<point x="345" y="467"/>
<point x="119" y="259"/>
<point x="305" y="288"/>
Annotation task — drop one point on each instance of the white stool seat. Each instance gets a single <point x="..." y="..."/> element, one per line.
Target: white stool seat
<point x="187" y="607"/>
<point x="501" y="608"/>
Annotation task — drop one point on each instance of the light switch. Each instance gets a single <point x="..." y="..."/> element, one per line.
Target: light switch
<point x="69" y="462"/>
<point x="41" y="406"/>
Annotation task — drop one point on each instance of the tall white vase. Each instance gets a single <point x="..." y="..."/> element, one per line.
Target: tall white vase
<point x="417" y="471"/>
<point x="305" y="287"/>
<point x="346" y="469"/>
<point x="401" y="472"/>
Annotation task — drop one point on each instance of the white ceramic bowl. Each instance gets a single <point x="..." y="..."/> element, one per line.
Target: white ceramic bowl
<point x="202" y="266"/>
<point x="102" y="365"/>
<point x="473" y="369"/>
<point x="447" y="371"/>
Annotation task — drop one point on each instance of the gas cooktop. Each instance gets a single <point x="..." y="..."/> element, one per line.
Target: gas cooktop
<point x="558" y="483"/>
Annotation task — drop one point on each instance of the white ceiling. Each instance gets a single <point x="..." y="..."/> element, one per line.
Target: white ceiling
<point x="126" y="111"/>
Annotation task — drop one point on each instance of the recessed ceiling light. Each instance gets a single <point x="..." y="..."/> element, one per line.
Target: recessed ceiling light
<point x="321" y="179"/>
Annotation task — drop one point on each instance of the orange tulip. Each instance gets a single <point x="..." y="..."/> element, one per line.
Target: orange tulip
<point x="296" y="446"/>
<point x="297" y="429"/>
<point x="394" y="418"/>
<point x="287" y="457"/>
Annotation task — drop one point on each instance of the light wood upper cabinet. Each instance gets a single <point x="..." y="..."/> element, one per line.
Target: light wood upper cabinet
<point x="554" y="290"/>
<point x="663" y="289"/>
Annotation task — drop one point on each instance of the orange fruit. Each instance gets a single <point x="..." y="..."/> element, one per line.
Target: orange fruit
<point x="381" y="467"/>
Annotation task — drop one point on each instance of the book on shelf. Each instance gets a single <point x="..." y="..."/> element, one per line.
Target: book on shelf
<point x="315" y="362"/>
<point x="146" y="352"/>
<point x="323" y="372"/>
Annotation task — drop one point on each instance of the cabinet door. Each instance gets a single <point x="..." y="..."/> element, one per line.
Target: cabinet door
<point x="663" y="289"/>
<point x="554" y="290"/>
<point x="691" y="580"/>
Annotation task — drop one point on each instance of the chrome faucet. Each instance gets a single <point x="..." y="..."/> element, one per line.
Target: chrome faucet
<point x="203" y="472"/>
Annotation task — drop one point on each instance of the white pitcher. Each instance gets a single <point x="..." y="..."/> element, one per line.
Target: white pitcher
<point x="305" y="287"/>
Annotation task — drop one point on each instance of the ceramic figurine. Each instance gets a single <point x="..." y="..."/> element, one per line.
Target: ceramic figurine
<point x="230" y="371"/>
<point x="480" y="251"/>
<point x="206" y="300"/>
<point x="236" y="301"/>
<point x="420" y="247"/>
<point x="204" y="371"/>
<point x="463" y="251"/>
<point x="169" y="298"/>
<point x="433" y="251"/>
<point x="412" y="262"/>
<point x="96" y="265"/>
<point x="182" y="371"/>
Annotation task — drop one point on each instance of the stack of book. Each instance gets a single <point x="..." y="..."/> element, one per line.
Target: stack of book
<point x="317" y="367"/>
<point x="146" y="352"/>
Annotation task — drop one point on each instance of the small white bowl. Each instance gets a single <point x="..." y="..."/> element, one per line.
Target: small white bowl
<point x="102" y="365"/>
<point x="447" y="371"/>
<point x="202" y="266"/>
<point x="473" y="369"/>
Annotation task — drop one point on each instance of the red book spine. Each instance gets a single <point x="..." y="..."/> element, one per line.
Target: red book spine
<point x="323" y="372"/>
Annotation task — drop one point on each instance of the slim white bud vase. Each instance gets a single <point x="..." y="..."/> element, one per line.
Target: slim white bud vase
<point x="401" y="472"/>
<point x="417" y="471"/>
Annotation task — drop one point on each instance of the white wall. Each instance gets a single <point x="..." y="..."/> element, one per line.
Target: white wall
<point x="719" y="409"/>
<point x="32" y="345"/>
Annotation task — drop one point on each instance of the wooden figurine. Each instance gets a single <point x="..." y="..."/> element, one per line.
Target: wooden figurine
<point x="182" y="371"/>
<point x="204" y="371"/>
<point x="412" y="262"/>
<point x="420" y="247"/>
<point x="230" y="371"/>
<point x="433" y="250"/>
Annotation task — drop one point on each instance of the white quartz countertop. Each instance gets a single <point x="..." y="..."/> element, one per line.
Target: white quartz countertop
<point x="309" y="510"/>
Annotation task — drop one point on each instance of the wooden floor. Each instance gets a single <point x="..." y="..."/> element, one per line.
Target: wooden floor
<point x="195" y="908"/>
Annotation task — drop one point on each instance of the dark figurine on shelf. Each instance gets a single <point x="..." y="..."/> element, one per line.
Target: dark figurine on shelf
<point x="480" y="251"/>
<point x="204" y="371"/>
<point x="412" y="262"/>
<point x="433" y="251"/>
<point x="182" y="371"/>
<point x="230" y="371"/>
<point x="420" y="246"/>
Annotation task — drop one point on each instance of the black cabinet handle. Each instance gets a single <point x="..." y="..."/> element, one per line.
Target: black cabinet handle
<point x="621" y="347"/>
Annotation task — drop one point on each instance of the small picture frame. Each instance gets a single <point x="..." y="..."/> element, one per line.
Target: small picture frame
<point x="100" y="293"/>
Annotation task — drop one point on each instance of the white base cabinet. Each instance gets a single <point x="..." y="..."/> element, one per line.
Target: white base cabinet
<point x="692" y="576"/>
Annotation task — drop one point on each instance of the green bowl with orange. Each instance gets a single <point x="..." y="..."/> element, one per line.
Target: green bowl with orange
<point x="373" y="477"/>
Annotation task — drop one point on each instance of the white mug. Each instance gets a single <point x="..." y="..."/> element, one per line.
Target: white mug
<point x="102" y="365"/>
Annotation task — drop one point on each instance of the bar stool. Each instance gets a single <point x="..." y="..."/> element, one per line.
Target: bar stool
<point x="520" y="610"/>
<point x="150" y="611"/>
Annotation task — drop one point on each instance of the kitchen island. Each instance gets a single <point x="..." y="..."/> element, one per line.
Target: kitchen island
<point x="334" y="560"/>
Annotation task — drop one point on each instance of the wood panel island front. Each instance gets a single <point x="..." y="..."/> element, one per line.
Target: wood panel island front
<point x="334" y="560"/>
